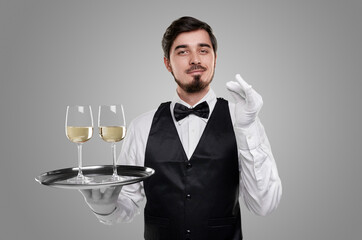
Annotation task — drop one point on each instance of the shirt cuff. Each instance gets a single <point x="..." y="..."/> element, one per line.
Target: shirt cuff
<point x="248" y="138"/>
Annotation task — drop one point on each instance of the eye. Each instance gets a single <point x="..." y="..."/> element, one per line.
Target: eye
<point x="182" y="52"/>
<point x="204" y="51"/>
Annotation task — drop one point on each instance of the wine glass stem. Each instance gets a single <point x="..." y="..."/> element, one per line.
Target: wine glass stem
<point x="114" y="160"/>
<point x="80" y="173"/>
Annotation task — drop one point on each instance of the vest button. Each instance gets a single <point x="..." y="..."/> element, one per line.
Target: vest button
<point x="188" y="165"/>
<point x="188" y="233"/>
<point x="188" y="196"/>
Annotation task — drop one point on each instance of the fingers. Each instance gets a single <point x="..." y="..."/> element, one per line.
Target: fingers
<point x="108" y="193"/>
<point x="243" y="93"/>
<point x="236" y="91"/>
<point x="245" y="88"/>
<point x="234" y="86"/>
<point x="112" y="192"/>
<point x="96" y="194"/>
<point x="240" y="87"/>
<point x="251" y="96"/>
<point x="244" y="85"/>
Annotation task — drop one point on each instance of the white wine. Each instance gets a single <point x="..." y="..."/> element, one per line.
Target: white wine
<point x="112" y="133"/>
<point x="79" y="134"/>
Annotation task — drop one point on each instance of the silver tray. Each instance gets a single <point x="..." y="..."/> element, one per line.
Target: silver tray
<point x="100" y="175"/>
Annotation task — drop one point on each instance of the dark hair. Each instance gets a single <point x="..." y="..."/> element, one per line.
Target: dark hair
<point x="184" y="24"/>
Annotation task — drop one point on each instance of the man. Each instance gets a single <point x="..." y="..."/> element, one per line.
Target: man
<point x="206" y="152"/>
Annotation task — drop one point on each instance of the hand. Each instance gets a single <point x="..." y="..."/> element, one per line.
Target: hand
<point x="102" y="202"/>
<point x="247" y="102"/>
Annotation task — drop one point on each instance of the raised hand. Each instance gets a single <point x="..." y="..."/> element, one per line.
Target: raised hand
<point x="247" y="101"/>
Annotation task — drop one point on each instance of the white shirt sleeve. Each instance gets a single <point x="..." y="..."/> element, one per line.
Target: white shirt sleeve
<point x="260" y="185"/>
<point x="132" y="153"/>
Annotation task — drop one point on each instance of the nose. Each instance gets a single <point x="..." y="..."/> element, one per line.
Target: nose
<point x="195" y="59"/>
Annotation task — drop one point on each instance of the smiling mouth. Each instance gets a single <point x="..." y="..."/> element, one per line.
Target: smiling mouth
<point x="196" y="72"/>
<point x="196" y="69"/>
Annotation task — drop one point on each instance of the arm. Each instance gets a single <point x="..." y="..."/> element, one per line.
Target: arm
<point x="260" y="185"/>
<point x="119" y="204"/>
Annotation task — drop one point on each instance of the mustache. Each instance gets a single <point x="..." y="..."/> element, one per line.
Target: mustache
<point x="195" y="67"/>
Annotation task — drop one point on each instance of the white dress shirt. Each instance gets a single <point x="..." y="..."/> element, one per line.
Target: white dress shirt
<point x="260" y="185"/>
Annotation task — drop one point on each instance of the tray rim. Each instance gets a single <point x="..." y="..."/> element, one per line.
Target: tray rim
<point x="41" y="179"/>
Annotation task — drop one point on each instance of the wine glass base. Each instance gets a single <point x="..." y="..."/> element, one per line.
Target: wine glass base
<point x="114" y="178"/>
<point x="80" y="179"/>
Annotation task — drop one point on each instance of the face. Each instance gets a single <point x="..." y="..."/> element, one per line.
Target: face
<point x="192" y="61"/>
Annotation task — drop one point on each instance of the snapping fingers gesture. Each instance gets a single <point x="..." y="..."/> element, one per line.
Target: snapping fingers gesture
<point x="247" y="101"/>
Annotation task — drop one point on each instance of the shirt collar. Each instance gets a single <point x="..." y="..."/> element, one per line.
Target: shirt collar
<point x="210" y="98"/>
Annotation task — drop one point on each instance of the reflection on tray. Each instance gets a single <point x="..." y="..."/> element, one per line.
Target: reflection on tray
<point x="99" y="179"/>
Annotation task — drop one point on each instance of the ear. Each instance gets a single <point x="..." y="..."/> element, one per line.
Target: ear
<point x="215" y="60"/>
<point x="167" y="64"/>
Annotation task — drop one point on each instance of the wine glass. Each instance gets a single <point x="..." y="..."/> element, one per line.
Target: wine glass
<point x="79" y="129"/>
<point x="112" y="129"/>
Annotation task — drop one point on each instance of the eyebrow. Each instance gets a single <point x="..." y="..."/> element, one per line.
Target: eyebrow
<point x="185" y="46"/>
<point x="180" y="46"/>
<point x="204" y="45"/>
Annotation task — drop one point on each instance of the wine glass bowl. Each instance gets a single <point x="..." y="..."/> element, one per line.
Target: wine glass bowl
<point x="79" y="134"/>
<point x="112" y="134"/>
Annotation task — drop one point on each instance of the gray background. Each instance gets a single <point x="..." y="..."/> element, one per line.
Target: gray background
<point x="303" y="57"/>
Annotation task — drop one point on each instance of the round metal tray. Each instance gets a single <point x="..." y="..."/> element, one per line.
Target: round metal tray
<point x="100" y="176"/>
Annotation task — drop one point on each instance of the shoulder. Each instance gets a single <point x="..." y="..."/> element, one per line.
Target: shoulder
<point x="147" y="117"/>
<point x="142" y="121"/>
<point x="141" y="125"/>
<point x="137" y="132"/>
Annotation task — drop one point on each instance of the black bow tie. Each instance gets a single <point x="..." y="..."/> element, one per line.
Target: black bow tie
<point x="180" y="111"/>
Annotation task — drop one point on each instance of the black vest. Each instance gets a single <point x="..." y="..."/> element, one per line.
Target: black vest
<point x="198" y="198"/>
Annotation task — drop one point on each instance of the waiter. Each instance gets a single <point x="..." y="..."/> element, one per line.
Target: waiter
<point x="207" y="152"/>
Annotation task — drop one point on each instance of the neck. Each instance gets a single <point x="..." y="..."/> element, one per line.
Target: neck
<point x="192" y="98"/>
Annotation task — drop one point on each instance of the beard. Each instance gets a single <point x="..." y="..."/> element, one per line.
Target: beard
<point x="196" y="85"/>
